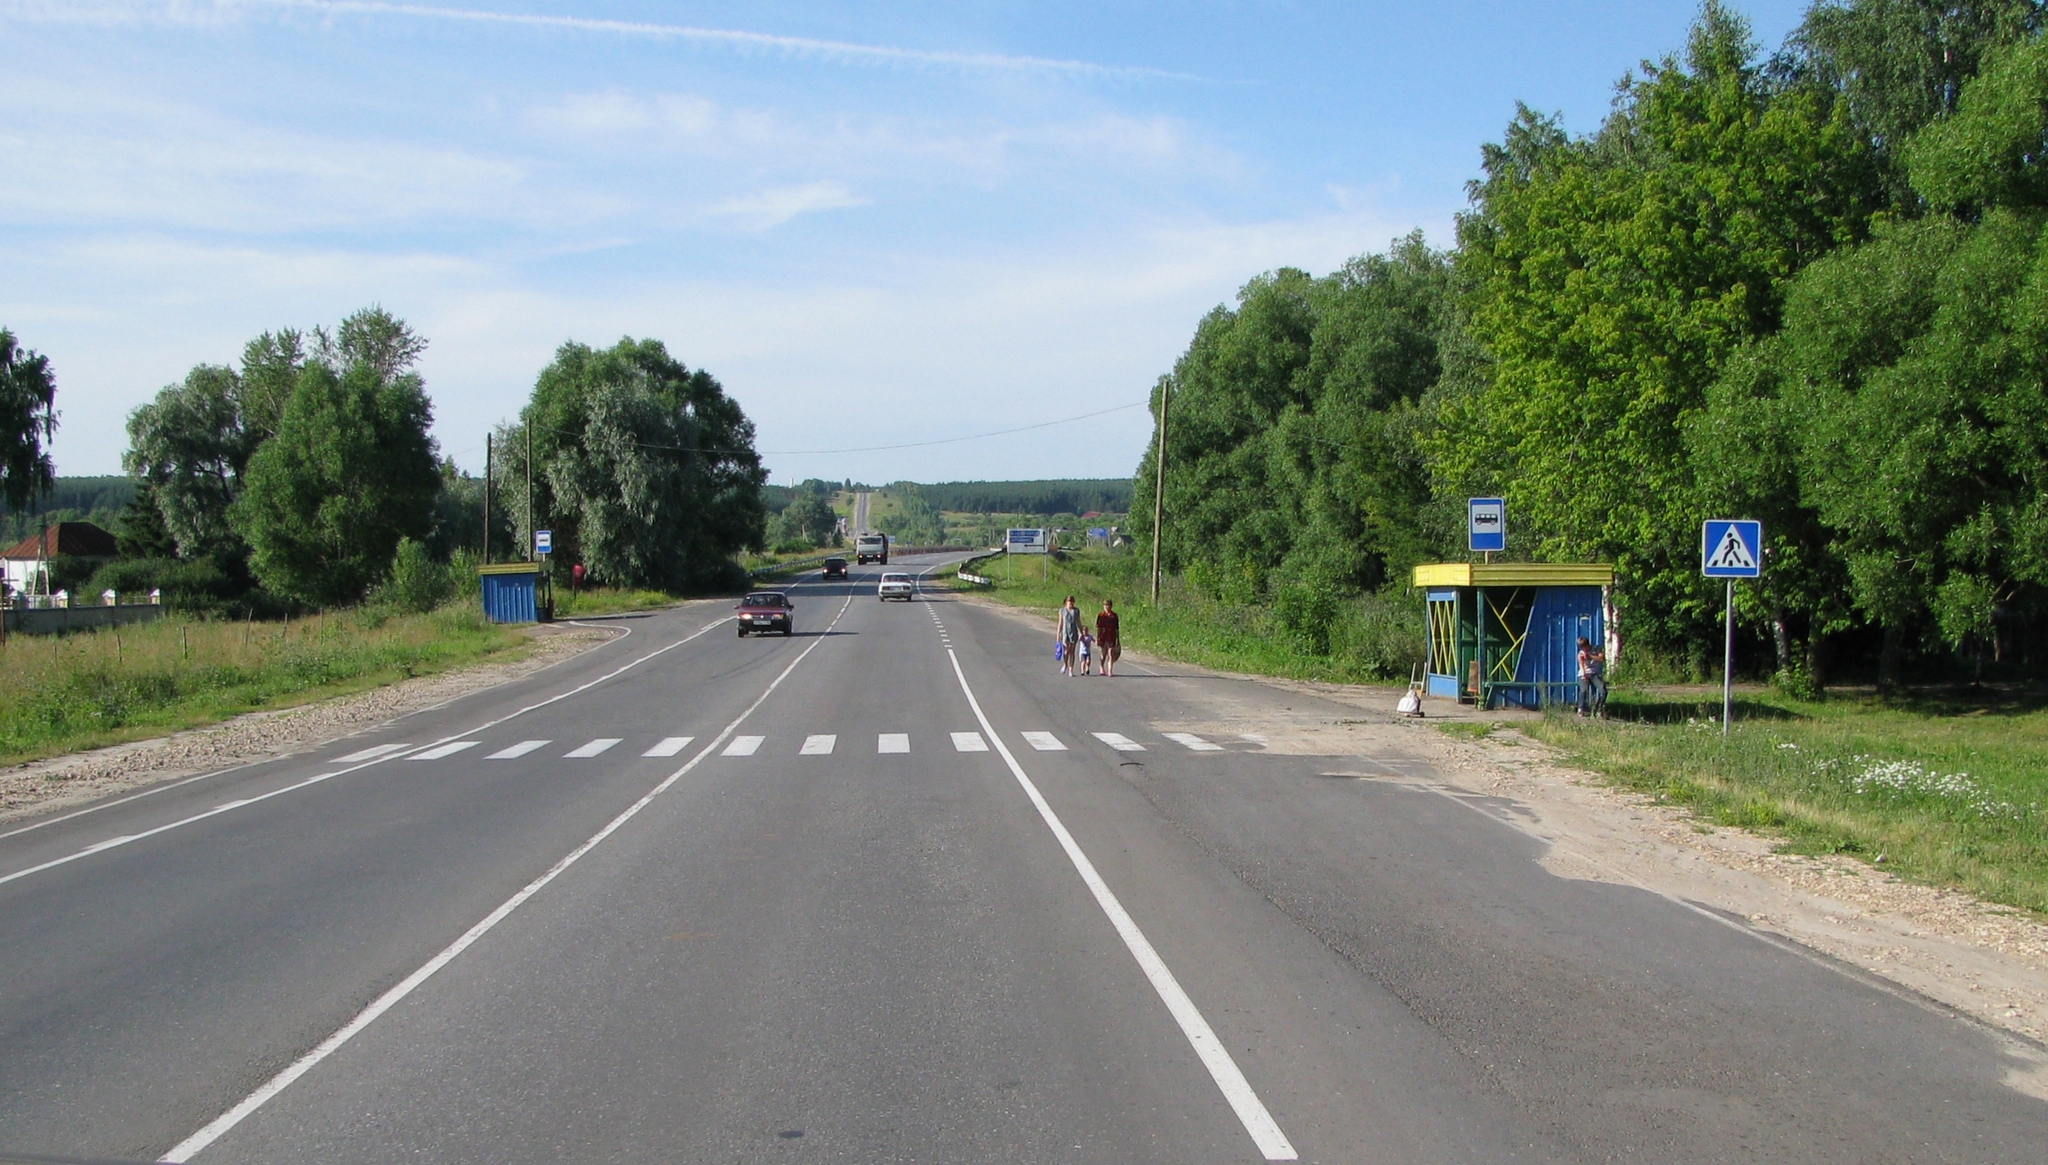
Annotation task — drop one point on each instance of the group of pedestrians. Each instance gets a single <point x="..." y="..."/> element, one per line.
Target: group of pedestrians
<point x="1077" y="651"/>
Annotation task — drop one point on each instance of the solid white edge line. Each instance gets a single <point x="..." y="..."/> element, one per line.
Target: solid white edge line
<point x="220" y="1125"/>
<point x="219" y="809"/>
<point x="1251" y="1111"/>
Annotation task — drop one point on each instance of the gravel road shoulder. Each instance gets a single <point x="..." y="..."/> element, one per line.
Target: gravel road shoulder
<point x="47" y="786"/>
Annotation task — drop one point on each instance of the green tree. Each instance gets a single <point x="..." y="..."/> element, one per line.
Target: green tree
<point x="191" y="448"/>
<point x="645" y="469"/>
<point x="810" y="518"/>
<point x="350" y="472"/>
<point x="1612" y="277"/>
<point x="28" y="421"/>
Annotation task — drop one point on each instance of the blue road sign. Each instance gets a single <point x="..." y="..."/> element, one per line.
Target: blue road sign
<point x="1731" y="548"/>
<point x="543" y="541"/>
<point x="1487" y="524"/>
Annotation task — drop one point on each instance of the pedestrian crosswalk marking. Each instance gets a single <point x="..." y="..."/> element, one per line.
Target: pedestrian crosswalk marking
<point x="1118" y="741"/>
<point x="818" y="745"/>
<point x="374" y="753"/>
<point x="517" y="750"/>
<point x="893" y="742"/>
<point x="969" y="742"/>
<point x="449" y="749"/>
<point x="596" y="747"/>
<point x="1192" y="741"/>
<point x="743" y="746"/>
<point x="669" y="746"/>
<point x="1044" y="742"/>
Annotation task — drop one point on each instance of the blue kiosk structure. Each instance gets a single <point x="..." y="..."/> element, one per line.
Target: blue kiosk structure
<point x="1508" y="632"/>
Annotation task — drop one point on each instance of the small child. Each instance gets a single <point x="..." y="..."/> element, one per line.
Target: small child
<point x="1087" y="652"/>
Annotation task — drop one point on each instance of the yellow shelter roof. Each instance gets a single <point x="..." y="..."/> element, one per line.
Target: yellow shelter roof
<point x="1514" y="574"/>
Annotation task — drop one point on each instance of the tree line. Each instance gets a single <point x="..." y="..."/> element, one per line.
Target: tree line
<point x="304" y="475"/>
<point x="1809" y="286"/>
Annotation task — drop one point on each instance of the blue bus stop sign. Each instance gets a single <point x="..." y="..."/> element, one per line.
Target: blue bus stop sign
<point x="1731" y="548"/>
<point x="543" y="541"/>
<point x="1487" y="524"/>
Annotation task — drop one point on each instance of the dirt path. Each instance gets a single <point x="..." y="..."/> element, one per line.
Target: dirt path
<point x="48" y="785"/>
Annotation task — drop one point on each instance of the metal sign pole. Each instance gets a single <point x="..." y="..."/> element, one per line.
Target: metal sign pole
<point x="1728" y="664"/>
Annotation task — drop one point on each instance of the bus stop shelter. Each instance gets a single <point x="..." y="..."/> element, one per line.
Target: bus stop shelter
<point x="1508" y="633"/>
<point x="516" y="592"/>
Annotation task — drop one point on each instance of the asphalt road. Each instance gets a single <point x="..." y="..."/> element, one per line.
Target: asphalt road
<point x="859" y="915"/>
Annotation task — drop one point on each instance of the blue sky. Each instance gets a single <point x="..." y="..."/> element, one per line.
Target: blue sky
<point x="877" y="224"/>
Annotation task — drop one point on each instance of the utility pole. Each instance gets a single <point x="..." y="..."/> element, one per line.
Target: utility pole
<point x="1159" y="491"/>
<point x="487" y="499"/>
<point x="531" y="525"/>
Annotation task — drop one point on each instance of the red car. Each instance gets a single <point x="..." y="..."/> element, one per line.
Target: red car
<point x="766" y="611"/>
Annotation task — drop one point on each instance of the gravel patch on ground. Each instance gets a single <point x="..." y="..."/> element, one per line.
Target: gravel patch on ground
<point x="61" y="782"/>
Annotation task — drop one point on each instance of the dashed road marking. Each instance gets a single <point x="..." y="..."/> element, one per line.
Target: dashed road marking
<point x="669" y="746"/>
<point x="372" y="753"/>
<point x="518" y="750"/>
<point x="598" y="747"/>
<point x="1044" y="742"/>
<point x="1118" y="741"/>
<point x="892" y="742"/>
<point x="1192" y="741"/>
<point x="969" y="742"/>
<point x="449" y="749"/>
<point x="818" y="745"/>
<point x="743" y="746"/>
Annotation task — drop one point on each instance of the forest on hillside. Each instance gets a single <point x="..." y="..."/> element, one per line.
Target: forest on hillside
<point x="1808" y="286"/>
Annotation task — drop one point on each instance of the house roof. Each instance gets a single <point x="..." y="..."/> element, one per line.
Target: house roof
<point x="77" y="539"/>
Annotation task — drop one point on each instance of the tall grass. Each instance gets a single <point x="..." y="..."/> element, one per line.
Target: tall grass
<point x="1363" y="639"/>
<point x="88" y="689"/>
<point x="1951" y="790"/>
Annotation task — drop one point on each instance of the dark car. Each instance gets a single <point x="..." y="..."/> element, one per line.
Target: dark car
<point x="766" y="611"/>
<point x="835" y="568"/>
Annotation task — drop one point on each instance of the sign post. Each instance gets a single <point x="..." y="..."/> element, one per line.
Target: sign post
<point x="1730" y="548"/>
<point x="1486" y="524"/>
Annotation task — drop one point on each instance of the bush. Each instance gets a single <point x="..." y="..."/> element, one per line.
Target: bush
<point x="416" y="583"/>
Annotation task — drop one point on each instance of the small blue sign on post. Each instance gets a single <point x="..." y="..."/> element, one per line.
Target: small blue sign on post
<point x="1731" y="548"/>
<point x="1487" y="524"/>
<point x="543" y="541"/>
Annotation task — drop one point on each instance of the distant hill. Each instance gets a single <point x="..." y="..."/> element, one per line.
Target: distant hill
<point x="1055" y="496"/>
<point x="98" y="500"/>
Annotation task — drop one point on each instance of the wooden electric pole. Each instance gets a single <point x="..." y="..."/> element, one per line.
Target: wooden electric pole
<point x="1159" y="491"/>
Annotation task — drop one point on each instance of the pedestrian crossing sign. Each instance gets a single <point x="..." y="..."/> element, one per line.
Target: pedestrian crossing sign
<point x="1731" y="548"/>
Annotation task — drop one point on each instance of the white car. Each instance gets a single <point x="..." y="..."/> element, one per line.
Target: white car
<point x="895" y="586"/>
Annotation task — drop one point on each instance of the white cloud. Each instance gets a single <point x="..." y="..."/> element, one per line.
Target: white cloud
<point x="772" y="208"/>
<point x="219" y="12"/>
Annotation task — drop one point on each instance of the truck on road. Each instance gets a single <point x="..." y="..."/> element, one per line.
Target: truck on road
<point x="871" y="548"/>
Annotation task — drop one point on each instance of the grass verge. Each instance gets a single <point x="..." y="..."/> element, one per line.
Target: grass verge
<point x="608" y="601"/>
<point x="1184" y="626"/>
<point x="92" y="689"/>
<point x="1947" y="790"/>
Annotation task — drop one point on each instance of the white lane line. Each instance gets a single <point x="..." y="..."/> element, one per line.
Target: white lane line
<point x="219" y="1126"/>
<point x="669" y="746"/>
<point x="1192" y="741"/>
<point x="598" y="747"/>
<point x="518" y="750"/>
<point x="371" y="753"/>
<point x="892" y="742"/>
<point x="1251" y="1111"/>
<point x="1118" y="741"/>
<point x="743" y="746"/>
<point x="449" y="749"/>
<point x="314" y="780"/>
<point x="969" y="742"/>
<point x="818" y="745"/>
<point x="1044" y="742"/>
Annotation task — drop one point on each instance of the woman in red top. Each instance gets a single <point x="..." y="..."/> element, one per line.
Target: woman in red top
<point x="1107" y="644"/>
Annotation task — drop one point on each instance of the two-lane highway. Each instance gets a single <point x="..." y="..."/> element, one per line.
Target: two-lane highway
<point x="894" y="890"/>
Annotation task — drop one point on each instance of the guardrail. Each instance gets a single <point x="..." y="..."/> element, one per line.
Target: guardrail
<point x="791" y="567"/>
